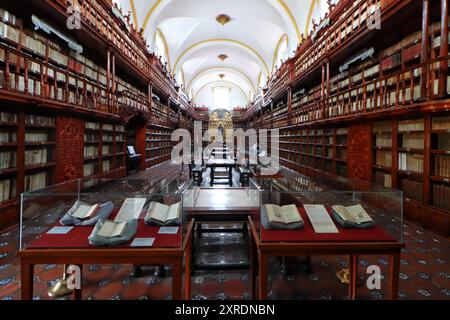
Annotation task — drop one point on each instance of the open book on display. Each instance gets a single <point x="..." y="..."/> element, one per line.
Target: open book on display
<point x="111" y="229"/>
<point x="283" y="214"/>
<point x="84" y="211"/>
<point x="164" y="213"/>
<point x="352" y="217"/>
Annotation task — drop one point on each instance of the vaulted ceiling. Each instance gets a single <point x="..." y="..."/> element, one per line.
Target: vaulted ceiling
<point x="247" y="44"/>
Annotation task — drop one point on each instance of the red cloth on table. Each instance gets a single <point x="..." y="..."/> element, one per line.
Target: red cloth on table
<point x="77" y="238"/>
<point x="307" y="233"/>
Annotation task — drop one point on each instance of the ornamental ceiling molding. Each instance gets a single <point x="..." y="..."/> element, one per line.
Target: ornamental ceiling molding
<point x="277" y="49"/>
<point x="310" y="13"/>
<point x="220" y="81"/>
<point x="219" y="40"/>
<point x="207" y="70"/>
<point x="157" y="3"/>
<point x="166" y="47"/>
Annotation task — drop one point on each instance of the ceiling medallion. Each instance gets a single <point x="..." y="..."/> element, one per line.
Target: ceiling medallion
<point x="223" y="19"/>
<point x="221" y="76"/>
<point x="222" y="57"/>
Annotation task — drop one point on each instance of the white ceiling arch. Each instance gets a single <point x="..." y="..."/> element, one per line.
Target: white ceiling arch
<point x="151" y="11"/>
<point x="224" y="76"/>
<point x="221" y="43"/>
<point x="194" y="38"/>
<point x="221" y="70"/>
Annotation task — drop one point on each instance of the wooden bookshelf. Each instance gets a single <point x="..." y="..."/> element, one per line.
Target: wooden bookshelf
<point x="159" y="144"/>
<point x="382" y="132"/>
<point x="390" y="88"/>
<point x="104" y="150"/>
<point x="9" y="132"/>
<point x="440" y="162"/>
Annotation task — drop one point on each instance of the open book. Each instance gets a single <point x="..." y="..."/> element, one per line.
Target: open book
<point x="283" y="214"/>
<point x="111" y="229"/>
<point x="84" y="211"/>
<point x="353" y="214"/>
<point x="163" y="213"/>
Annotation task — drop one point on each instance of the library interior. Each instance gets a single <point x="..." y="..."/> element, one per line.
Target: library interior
<point x="224" y="150"/>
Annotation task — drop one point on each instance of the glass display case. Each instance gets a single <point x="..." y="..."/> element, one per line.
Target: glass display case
<point x="336" y="229"/>
<point x="47" y="214"/>
<point x="331" y="215"/>
<point x="217" y="201"/>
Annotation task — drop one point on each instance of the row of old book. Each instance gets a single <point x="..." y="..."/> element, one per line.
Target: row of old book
<point x="92" y="125"/>
<point x="107" y="165"/>
<point x="7" y="136"/>
<point x="90" y="137"/>
<point x="36" y="136"/>
<point x="413" y="140"/>
<point x="8" y="117"/>
<point x="8" y="159"/>
<point x="106" y="150"/>
<point x="89" y="169"/>
<point x="108" y="138"/>
<point x="443" y="141"/>
<point x="44" y="48"/>
<point x="442" y="166"/>
<point x="441" y="196"/>
<point x="36" y="156"/>
<point x="384" y="179"/>
<point x="410" y="162"/>
<point x="383" y="158"/>
<point x="441" y="123"/>
<point x="39" y="120"/>
<point x="411" y="125"/>
<point x="90" y="151"/>
<point x="383" y="140"/>
<point x="7" y="189"/>
<point x="35" y="181"/>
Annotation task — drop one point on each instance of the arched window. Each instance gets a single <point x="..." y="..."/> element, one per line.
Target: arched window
<point x="281" y="51"/>
<point x="161" y="47"/>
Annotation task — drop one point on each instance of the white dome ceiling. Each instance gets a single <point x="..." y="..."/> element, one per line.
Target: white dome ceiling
<point x="194" y="39"/>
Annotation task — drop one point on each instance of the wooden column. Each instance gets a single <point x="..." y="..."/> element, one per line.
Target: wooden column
<point x="425" y="46"/>
<point x="113" y="86"/>
<point x="443" y="67"/>
<point x="271" y="114"/>
<point x="150" y="96"/>
<point x="108" y="77"/>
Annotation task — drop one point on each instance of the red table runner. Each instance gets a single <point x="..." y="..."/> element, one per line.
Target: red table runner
<point x="77" y="238"/>
<point x="307" y="234"/>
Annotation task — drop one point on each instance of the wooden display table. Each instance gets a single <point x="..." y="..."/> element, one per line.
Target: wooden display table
<point x="74" y="249"/>
<point x="350" y="242"/>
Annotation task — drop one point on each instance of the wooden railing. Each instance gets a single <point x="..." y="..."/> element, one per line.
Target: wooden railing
<point x="391" y="92"/>
<point x="30" y="77"/>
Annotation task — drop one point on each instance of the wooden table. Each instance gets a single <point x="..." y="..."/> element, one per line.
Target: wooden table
<point x="350" y="248"/>
<point x="229" y="164"/>
<point x="31" y="256"/>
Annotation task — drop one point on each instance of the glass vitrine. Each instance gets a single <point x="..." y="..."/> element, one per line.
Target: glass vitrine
<point x="100" y="213"/>
<point x="331" y="216"/>
<point x="327" y="243"/>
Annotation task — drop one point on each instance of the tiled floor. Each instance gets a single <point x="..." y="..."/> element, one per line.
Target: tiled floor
<point x="425" y="270"/>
